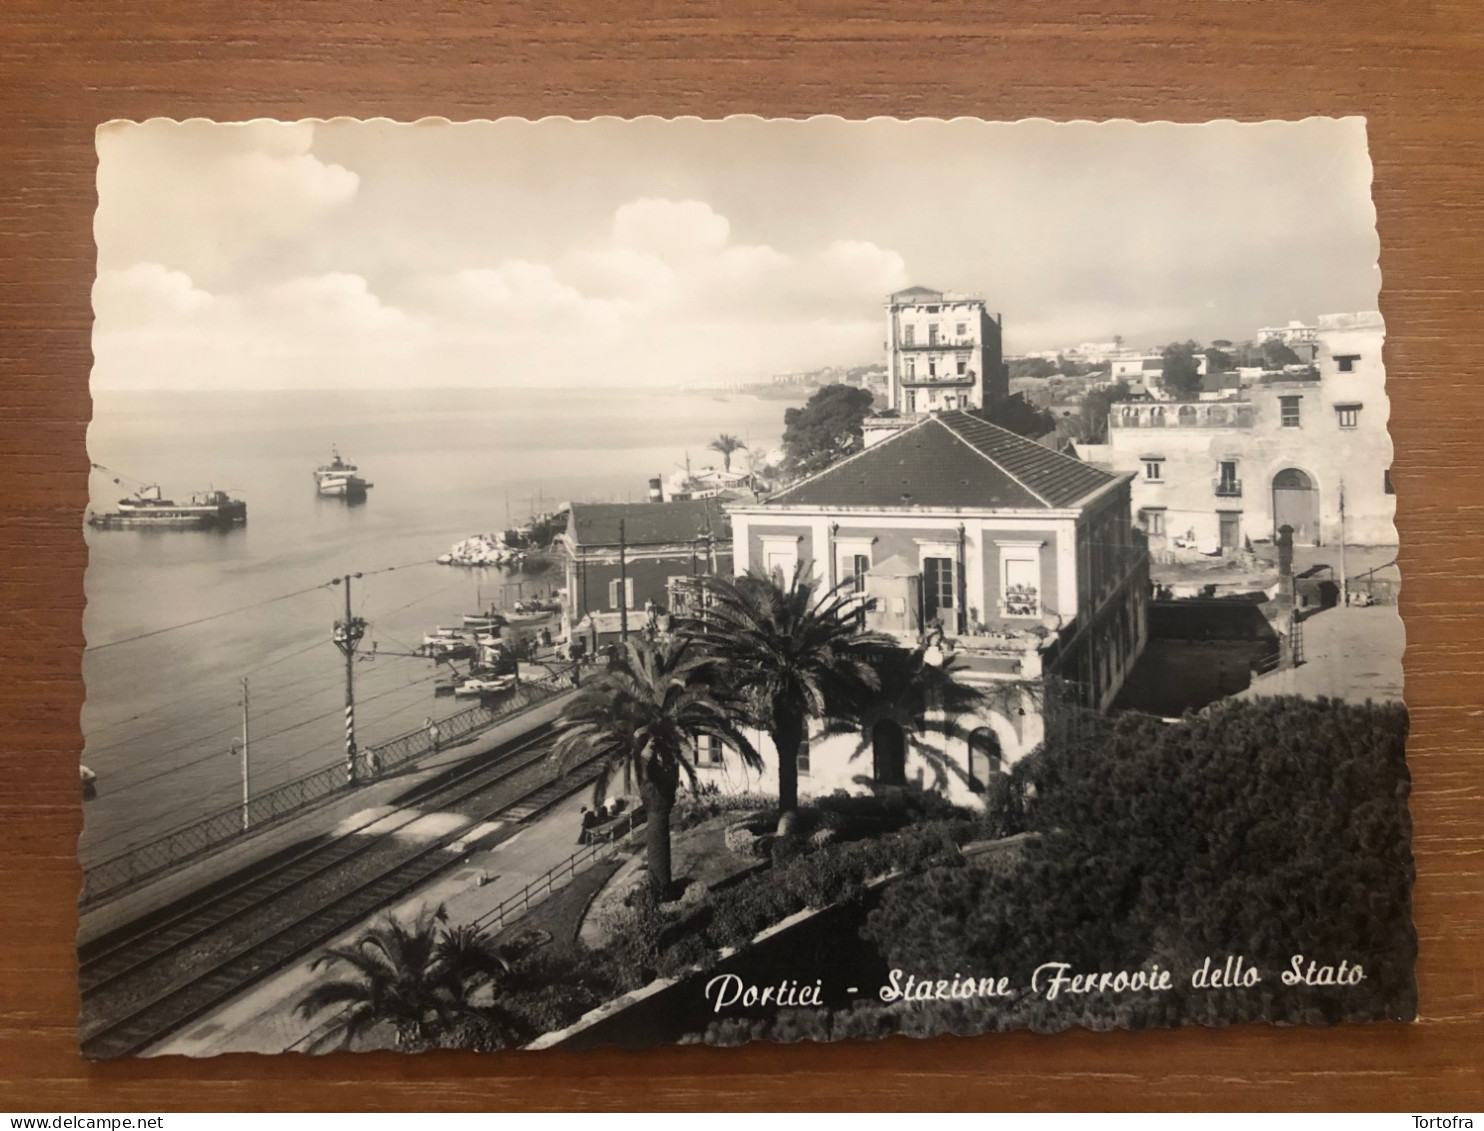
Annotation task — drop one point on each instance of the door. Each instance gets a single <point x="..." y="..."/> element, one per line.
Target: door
<point x="889" y="753"/>
<point x="937" y="588"/>
<point x="1231" y="531"/>
<point x="1296" y="504"/>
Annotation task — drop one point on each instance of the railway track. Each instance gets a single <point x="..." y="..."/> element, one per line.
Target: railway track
<point x="258" y="924"/>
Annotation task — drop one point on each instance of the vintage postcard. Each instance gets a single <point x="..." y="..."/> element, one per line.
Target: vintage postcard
<point x="556" y="584"/>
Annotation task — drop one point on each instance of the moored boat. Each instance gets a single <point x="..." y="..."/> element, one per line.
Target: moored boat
<point x="148" y="508"/>
<point x="339" y="478"/>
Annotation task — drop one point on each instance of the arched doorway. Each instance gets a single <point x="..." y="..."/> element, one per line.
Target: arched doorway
<point x="986" y="758"/>
<point x="1296" y="504"/>
<point x="889" y="753"/>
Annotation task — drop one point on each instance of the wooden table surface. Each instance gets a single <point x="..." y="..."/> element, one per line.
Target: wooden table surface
<point x="1416" y="71"/>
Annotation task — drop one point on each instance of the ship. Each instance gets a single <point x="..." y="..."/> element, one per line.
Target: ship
<point x="338" y="479"/>
<point x="147" y="508"/>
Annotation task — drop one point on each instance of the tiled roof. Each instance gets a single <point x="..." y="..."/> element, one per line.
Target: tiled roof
<point x="596" y="524"/>
<point x="951" y="459"/>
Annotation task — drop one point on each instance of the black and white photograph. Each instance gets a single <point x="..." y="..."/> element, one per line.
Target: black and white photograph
<point x="557" y="584"/>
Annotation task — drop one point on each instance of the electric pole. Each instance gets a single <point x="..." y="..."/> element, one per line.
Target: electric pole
<point x="246" y="816"/>
<point x="1344" y="578"/>
<point x="623" y="587"/>
<point x="348" y="633"/>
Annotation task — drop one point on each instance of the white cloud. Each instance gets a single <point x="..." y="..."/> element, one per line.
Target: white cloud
<point x="204" y="198"/>
<point x="146" y="292"/>
<point x="662" y="298"/>
<point x="675" y="231"/>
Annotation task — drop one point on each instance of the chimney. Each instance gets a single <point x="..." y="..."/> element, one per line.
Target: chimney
<point x="656" y="490"/>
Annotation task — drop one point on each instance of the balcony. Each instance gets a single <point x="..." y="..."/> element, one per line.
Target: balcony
<point x="939" y="345"/>
<point x="1212" y="415"/>
<point x="1227" y="488"/>
<point x="952" y="380"/>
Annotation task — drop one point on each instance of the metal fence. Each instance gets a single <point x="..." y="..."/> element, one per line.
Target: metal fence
<point x="538" y="890"/>
<point x="215" y="830"/>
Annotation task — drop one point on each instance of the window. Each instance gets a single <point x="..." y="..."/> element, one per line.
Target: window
<point x="909" y="404"/>
<point x="1154" y="521"/>
<point x="853" y="569"/>
<point x="911" y="366"/>
<point x="1348" y="415"/>
<point x="932" y="367"/>
<point x="1227" y="483"/>
<point x="961" y="329"/>
<point x="908" y="333"/>
<point x="781" y="557"/>
<point x="1289" y="411"/>
<point x="1154" y="470"/>
<point x="1346" y="361"/>
<point x="803" y="760"/>
<point x="709" y="750"/>
<point x="937" y="586"/>
<point x="962" y="365"/>
<point x="1022" y="580"/>
<point x="932" y="333"/>
<point x="628" y="590"/>
<point x="985" y="759"/>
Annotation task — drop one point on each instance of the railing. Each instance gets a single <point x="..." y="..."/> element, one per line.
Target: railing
<point x="1161" y="416"/>
<point x="965" y="379"/>
<point x="206" y="834"/>
<point x="564" y="873"/>
<point x="937" y="345"/>
<point x="1227" y="488"/>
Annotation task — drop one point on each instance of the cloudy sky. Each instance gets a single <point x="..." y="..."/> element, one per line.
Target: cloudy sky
<point x="610" y="253"/>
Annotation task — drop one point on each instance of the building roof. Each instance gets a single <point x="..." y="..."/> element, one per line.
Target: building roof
<point x="951" y="459"/>
<point x="597" y="524"/>
<point x="910" y="293"/>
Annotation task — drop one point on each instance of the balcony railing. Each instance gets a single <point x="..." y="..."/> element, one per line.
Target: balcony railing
<point x="938" y="345"/>
<point x="1227" y="488"/>
<point x="1215" y="415"/>
<point x="937" y="379"/>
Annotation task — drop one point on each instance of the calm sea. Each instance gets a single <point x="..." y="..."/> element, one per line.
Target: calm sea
<point x="163" y="711"/>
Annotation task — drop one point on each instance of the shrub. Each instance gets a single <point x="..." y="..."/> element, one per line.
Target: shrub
<point x="739" y="839"/>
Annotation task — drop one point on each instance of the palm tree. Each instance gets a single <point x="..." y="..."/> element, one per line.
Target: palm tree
<point x="422" y="977"/>
<point x="924" y="692"/>
<point x="726" y="445"/>
<point x="642" y="718"/>
<point x="792" y="654"/>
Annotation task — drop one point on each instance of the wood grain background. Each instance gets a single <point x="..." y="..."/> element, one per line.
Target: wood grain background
<point x="1416" y="70"/>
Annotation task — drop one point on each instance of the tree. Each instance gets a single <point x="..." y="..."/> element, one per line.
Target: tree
<point x="1018" y="415"/>
<point x="642" y="718"/>
<point x="1218" y="360"/>
<point x="928" y="697"/>
<point x="1092" y="427"/>
<point x="726" y="445"/>
<point x="828" y="426"/>
<point x="1276" y="354"/>
<point x="791" y="652"/>
<point x="1265" y="828"/>
<point x="1182" y="374"/>
<point x="422" y="977"/>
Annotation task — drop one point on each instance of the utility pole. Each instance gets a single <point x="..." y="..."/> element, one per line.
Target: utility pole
<point x="348" y="633"/>
<point x="246" y="815"/>
<point x="623" y="587"/>
<point x="1344" y="578"/>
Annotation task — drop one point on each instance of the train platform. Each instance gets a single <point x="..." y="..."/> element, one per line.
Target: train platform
<point x="315" y="821"/>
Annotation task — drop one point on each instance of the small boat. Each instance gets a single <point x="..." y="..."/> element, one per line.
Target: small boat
<point x="480" y="687"/>
<point x="148" y="508"/>
<point x="338" y="478"/>
<point x="491" y="621"/>
<point x="447" y="643"/>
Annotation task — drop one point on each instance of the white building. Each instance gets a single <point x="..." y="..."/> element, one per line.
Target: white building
<point x="1020" y="562"/>
<point x="1305" y="447"/>
<point x="943" y="352"/>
